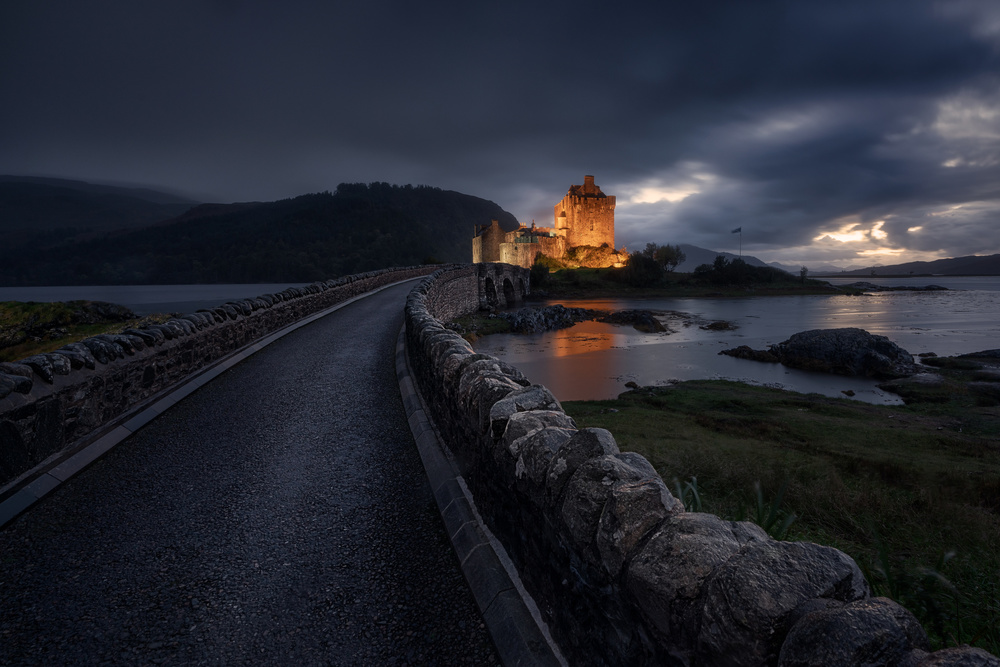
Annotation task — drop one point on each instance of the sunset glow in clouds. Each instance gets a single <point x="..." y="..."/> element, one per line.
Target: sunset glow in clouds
<point x="848" y="133"/>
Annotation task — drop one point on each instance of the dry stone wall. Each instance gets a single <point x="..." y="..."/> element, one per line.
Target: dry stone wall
<point x="621" y="572"/>
<point x="50" y="401"/>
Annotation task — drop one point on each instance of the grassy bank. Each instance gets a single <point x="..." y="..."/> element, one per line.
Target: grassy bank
<point x="911" y="492"/>
<point x="606" y="283"/>
<point x="28" y="328"/>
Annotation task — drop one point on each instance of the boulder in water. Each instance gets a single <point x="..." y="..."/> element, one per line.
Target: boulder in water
<point x="847" y="351"/>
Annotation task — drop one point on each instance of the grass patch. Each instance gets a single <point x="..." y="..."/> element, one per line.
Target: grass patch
<point x="28" y="328"/>
<point x="475" y="326"/>
<point x="896" y="487"/>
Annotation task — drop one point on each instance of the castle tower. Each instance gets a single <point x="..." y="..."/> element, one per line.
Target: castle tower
<point x="587" y="215"/>
<point x="486" y="242"/>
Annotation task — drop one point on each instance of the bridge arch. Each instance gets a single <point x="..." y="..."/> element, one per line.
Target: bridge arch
<point x="508" y="292"/>
<point x="490" y="293"/>
<point x="501" y="285"/>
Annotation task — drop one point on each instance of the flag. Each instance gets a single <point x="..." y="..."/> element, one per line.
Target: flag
<point x="738" y="230"/>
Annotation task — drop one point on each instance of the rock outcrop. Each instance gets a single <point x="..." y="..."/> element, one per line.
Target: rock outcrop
<point x="550" y="318"/>
<point x="841" y="351"/>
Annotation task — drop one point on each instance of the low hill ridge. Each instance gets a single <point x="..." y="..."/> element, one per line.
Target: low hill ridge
<point x="359" y="227"/>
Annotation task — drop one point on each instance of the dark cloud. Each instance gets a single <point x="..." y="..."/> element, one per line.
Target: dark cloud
<point x="793" y="120"/>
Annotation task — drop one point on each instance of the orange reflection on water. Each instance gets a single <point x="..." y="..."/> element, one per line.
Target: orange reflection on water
<point x="583" y="338"/>
<point x="594" y="366"/>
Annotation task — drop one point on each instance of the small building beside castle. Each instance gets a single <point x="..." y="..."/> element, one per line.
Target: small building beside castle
<point x="585" y="218"/>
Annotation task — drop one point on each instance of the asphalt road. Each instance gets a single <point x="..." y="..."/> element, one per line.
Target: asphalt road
<point x="279" y="515"/>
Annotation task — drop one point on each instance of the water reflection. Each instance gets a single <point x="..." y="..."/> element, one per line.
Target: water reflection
<point x="595" y="360"/>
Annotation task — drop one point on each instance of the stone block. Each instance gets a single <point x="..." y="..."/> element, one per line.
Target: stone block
<point x="534" y="453"/>
<point x="588" y="491"/>
<point x="960" y="656"/>
<point x="667" y="576"/>
<point x="876" y="631"/>
<point x="14" y="368"/>
<point x="477" y="393"/>
<point x="41" y="365"/>
<point x="523" y="423"/>
<point x="586" y="444"/>
<point x="750" y="600"/>
<point x="534" y="397"/>
<point x="633" y="509"/>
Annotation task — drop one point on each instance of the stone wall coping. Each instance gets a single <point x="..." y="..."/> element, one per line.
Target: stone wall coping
<point x="511" y="616"/>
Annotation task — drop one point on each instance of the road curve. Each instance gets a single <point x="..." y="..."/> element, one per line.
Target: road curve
<point x="279" y="515"/>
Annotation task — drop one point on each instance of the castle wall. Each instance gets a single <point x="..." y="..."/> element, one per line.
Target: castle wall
<point x="523" y="254"/>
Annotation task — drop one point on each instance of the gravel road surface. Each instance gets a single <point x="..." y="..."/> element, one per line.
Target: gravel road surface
<point x="279" y="515"/>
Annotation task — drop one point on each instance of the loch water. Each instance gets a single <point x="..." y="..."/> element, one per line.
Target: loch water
<point x="593" y="360"/>
<point x="147" y="299"/>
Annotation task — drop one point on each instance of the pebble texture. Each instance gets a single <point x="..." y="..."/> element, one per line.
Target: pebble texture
<point x="279" y="515"/>
<point x="621" y="572"/>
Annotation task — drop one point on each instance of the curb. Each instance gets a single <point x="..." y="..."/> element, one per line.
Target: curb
<point x="511" y="616"/>
<point x="50" y="474"/>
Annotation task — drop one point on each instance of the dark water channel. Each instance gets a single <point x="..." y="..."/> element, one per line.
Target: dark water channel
<point x="146" y="299"/>
<point x="594" y="360"/>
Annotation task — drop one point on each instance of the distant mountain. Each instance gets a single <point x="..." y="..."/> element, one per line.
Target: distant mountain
<point x="971" y="265"/>
<point x="312" y="237"/>
<point x="145" y="194"/>
<point x="822" y="269"/>
<point x="31" y="204"/>
<point x="695" y="257"/>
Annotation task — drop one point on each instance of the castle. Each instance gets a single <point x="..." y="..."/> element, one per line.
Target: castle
<point x="584" y="218"/>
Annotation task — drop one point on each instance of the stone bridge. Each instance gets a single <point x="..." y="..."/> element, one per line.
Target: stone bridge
<point x="501" y="285"/>
<point x="275" y="516"/>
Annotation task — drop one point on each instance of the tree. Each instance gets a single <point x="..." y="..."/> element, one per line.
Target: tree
<point x="539" y="271"/>
<point x="642" y="270"/>
<point x="669" y="257"/>
<point x="803" y="272"/>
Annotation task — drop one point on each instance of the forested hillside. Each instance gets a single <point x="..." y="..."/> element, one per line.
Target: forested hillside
<point x="317" y="236"/>
<point x="45" y="211"/>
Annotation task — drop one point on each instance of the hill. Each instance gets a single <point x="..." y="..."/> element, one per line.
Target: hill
<point x="971" y="265"/>
<point x="30" y="204"/>
<point x="312" y="237"/>
<point x="695" y="257"/>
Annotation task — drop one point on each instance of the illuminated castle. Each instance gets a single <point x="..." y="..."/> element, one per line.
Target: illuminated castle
<point x="584" y="217"/>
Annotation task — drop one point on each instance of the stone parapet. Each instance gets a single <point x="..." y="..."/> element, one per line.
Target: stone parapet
<point x="622" y="574"/>
<point x="53" y="402"/>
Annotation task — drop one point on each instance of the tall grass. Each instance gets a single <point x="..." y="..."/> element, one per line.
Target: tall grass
<point x="910" y="493"/>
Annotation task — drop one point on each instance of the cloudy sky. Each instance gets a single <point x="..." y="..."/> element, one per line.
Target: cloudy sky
<point x="855" y="132"/>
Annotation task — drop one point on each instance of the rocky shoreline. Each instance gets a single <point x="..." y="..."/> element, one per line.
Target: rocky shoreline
<point x="855" y="352"/>
<point x="872" y="287"/>
<point x="531" y="320"/>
